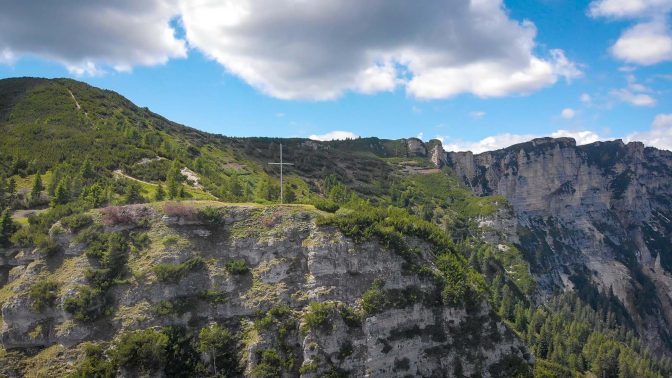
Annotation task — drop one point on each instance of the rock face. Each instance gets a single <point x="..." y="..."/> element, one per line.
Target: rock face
<point x="416" y="147"/>
<point x="597" y="216"/>
<point x="292" y="262"/>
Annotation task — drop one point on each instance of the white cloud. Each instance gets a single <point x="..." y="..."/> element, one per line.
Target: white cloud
<point x="635" y="86"/>
<point x="477" y="114"/>
<point x="420" y="135"/>
<point x="636" y="99"/>
<point x="628" y="8"/>
<point x="335" y="135"/>
<point x="499" y="141"/>
<point x="490" y="143"/>
<point x="297" y="48"/>
<point x="568" y="113"/>
<point x="649" y="41"/>
<point x="321" y="49"/>
<point x="586" y="99"/>
<point x="87" y="36"/>
<point x="581" y="137"/>
<point x="645" y="43"/>
<point x="660" y="134"/>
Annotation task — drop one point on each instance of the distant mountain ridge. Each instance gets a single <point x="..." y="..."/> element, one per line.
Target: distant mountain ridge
<point x="601" y="212"/>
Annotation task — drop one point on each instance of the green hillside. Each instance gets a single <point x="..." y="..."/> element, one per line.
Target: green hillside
<point x="68" y="150"/>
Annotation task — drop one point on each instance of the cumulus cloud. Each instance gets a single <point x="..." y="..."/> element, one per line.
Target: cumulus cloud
<point x="647" y="42"/>
<point x="568" y="113"/>
<point x="636" y="99"/>
<point x="321" y="49"/>
<point x="660" y="134"/>
<point x="335" y="135"/>
<point x="628" y="8"/>
<point x="499" y="141"/>
<point x="296" y="48"/>
<point x="86" y="36"/>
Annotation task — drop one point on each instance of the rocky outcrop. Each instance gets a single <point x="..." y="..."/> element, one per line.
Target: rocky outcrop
<point x="599" y="213"/>
<point x="436" y="153"/>
<point x="291" y="262"/>
<point x="416" y="147"/>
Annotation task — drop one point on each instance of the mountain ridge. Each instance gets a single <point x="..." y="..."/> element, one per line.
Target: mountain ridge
<point x="81" y="277"/>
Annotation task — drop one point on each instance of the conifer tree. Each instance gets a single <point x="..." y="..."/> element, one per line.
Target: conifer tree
<point x="61" y="195"/>
<point x="86" y="171"/>
<point x="6" y="227"/>
<point x="173" y="180"/>
<point x="35" y="193"/>
<point x="160" y="194"/>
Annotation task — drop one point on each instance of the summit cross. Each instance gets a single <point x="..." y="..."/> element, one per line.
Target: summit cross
<point x="281" y="163"/>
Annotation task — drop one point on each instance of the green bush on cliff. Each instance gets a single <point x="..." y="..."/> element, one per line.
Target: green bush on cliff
<point x="172" y="273"/>
<point x="143" y="351"/>
<point x="43" y="294"/>
<point x="94" y="364"/>
<point x="87" y="305"/>
<point x="237" y="267"/>
<point x="316" y="316"/>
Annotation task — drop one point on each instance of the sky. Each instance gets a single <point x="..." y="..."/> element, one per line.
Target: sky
<point x="477" y="75"/>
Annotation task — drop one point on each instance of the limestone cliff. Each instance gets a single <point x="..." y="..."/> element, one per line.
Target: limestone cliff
<point x="593" y="216"/>
<point x="284" y="264"/>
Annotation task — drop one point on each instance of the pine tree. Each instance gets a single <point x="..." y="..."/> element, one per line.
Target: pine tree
<point x="86" y="171"/>
<point x="36" y="192"/>
<point x="11" y="187"/>
<point x="94" y="194"/>
<point x="62" y="194"/>
<point x="160" y="194"/>
<point x="132" y="193"/>
<point x="6" y="227"/>
<point x="173" y="180"/>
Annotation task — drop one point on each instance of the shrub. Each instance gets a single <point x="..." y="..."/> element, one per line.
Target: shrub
<point x="95" y="241"/>
<point x="269" y="365"/>
<point x="373" y="299"/>
<point x="237" y="267"/>
<point x="460" y="282"/>
<point x="143" y="351"/>
<point x="174" y="272"/>
<point x="94" y="363"/>
<point x="211" y="216"/>
<point x="176" y="306"/>
<point x="326" y="205"/>
<point x="76" y="222"/>
<point x="317" y="315"/>
<point x="88" y="305"/>
<point x="43" y="294"/>
<point x="125" y="215"/>
<point x="274" y="315"/>
<point x="48" y="246"/>
<point x="176" y="209"/>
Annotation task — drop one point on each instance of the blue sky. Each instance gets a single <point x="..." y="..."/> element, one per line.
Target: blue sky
<point x="477" y="75"/>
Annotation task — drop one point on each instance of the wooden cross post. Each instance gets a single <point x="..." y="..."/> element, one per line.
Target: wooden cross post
<point x="282" y="185"/>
